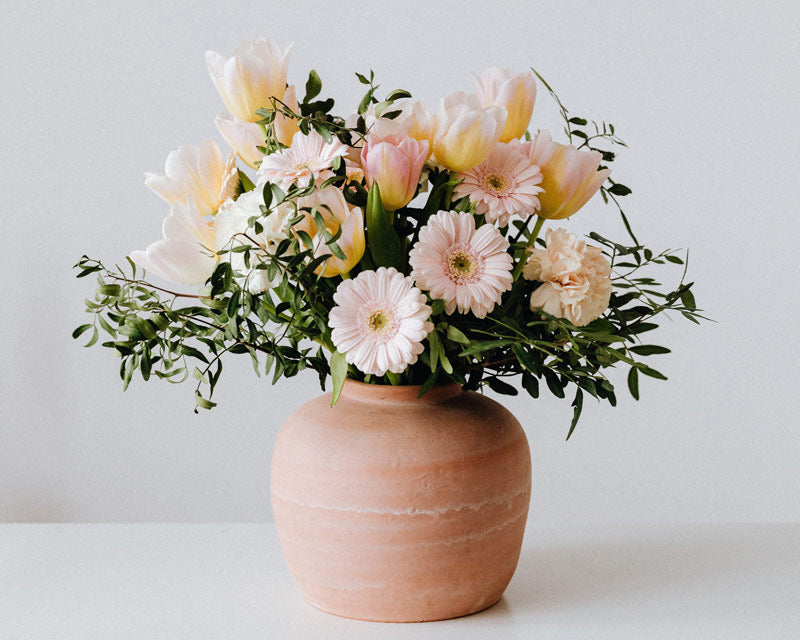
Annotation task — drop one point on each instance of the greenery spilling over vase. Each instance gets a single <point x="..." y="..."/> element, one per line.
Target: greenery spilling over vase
<point x="398" y="245"/>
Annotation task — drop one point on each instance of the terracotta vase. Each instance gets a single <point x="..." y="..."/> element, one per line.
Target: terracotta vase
<point x="395" y="508"/>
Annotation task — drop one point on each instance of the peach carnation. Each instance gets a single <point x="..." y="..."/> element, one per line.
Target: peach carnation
<point x="576" y="279"/>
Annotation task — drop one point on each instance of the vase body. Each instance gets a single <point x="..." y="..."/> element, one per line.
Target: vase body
<point x="399" y="509"/>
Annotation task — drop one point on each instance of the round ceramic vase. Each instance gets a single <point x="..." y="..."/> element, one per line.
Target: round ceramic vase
<point x="395" y="508"/>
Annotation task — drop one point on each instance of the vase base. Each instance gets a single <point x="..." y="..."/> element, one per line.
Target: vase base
<point x="405" y="620"/>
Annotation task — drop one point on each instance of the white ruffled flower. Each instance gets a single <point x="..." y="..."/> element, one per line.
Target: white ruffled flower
<point x="576" y="278"/>
<point x="379" y="321"/>
<point x="232" y="230"/>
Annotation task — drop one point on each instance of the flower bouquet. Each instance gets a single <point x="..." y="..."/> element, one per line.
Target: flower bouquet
<point x="397" y="247"/>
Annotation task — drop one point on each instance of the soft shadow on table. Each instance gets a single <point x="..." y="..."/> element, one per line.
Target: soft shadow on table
<point x="574" y="574"/>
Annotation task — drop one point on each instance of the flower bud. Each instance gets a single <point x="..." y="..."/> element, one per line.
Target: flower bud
<point x="515" y="92"/>
<point x="395" y="163"/>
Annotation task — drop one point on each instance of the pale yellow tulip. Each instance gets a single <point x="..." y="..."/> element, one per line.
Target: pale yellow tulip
<point x="515" y="92"/>
<point x="569" y="176"/>
<point x="336" y="214"/>
<point x="248" y="79"/>
<point x="465" y="132"/>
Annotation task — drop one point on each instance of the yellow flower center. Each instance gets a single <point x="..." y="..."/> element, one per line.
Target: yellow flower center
<point x="462" y="266"/>
<point x="380" y="322"/>
<point x="495" y="183"/>
<point x="303" y="166"/>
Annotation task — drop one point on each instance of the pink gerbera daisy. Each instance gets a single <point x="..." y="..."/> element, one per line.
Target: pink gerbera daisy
<point x="467" y="268"/>
<point x="379" y="321"/>
<point x="308" y="156"/>
<point x="504" y="184"/>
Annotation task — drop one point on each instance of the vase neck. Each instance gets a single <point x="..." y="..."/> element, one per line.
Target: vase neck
<point x="354" y="390"/>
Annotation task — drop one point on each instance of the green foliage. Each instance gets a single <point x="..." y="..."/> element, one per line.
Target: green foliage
<point x="385" y="246"/>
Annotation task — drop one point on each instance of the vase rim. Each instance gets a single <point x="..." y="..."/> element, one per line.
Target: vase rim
<point x="398" y="393"/>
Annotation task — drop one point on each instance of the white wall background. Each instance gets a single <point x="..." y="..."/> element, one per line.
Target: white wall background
<point x="706" y="94"/>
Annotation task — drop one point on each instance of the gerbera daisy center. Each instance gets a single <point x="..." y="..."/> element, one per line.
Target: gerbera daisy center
<point x="462" y="266"/>
<point x="495" y="183"/>
<point x="380" y="322"/>
<point x="303" y="166"/>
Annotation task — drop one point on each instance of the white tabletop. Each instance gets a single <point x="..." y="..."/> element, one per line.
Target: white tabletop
<point x="207" y="581"/>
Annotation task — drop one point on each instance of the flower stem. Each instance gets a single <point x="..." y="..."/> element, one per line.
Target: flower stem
<point x="448" y="195"/>
<point x="531" y="239"/>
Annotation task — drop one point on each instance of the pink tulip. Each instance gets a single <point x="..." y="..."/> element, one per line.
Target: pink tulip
<point x="395" y="163"/>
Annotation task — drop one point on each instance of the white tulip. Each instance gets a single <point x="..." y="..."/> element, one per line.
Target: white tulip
<point x="243" y="137"/>
<point x="196" y="174"/>
<point x="185" y="255"/>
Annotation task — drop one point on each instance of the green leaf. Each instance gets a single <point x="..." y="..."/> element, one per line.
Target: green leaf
<point x="577" y="405"/>
<point x="649" y="371"/>
<point x="201" y="402"/>
<point x="93" y="339"/>
<point x="398" y="94"/>
<point x="313" y="86"/>
<point x="456" y="335"/>
<point x="304" y="238"/>
<point x="633" y="382"/>
<point x="553" y="383"/>
<point x="109" y="290"/>
<point x="445" y="362"/>
<point x="146" y="364"/>
<point x="338" y="374"/>
<point x="384" y="243"/>
<point x="192" y="352"/>
<point x="498" y="386"/>
<point x="437" y="307"/>
<point x="436" y="347"/>
<point x="81" y="330"/>
<point x="687" y="298"/>
<point x="107" y="327"/>
<point x="648" y="349"/>
<point x="640" y="327"/>
<point x="428" y="384"/>
<point x="524" y="357"/>
<point x="619" y="189"/>
<point x="530" y="384"/>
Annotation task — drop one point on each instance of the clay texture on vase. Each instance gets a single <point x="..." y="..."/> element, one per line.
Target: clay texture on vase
<point x="398" y="509"/>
